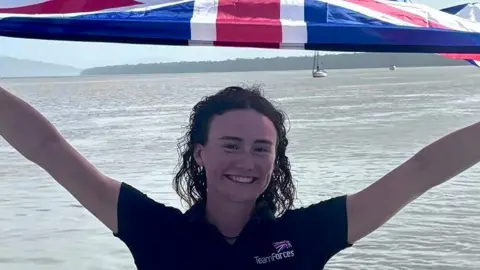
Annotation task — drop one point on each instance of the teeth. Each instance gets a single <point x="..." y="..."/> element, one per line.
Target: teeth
<point x="241" y="179"/>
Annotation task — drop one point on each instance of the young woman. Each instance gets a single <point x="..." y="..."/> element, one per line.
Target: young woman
<point x="236" y="177"/>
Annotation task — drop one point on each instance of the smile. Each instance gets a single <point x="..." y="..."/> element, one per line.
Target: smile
<point x="241" y="179"/>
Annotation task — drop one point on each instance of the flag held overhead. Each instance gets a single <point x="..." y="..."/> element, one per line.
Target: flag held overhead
<point x="332" y="25"/>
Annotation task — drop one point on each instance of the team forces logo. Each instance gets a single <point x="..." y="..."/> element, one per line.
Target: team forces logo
<point x="284" y="251"/>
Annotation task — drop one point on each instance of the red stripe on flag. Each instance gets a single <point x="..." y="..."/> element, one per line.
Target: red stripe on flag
<point x="249" y="22"/>
<point x="459" y="56"/>
<point x="258" y="45"/>
<point x="412" y="19"/>
<point x="69" y="6"/>
<point x="397" y="13"/>
<point x="392" y="12"/>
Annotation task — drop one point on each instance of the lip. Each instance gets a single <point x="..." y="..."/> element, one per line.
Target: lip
<point x="232" y="177"/>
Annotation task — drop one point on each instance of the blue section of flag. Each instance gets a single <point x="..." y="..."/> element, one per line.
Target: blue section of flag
<point x="455" y="9"/>
<point x="334" y="28"/>
<point x="169" y="22"/>
<point x="330" y="24"/>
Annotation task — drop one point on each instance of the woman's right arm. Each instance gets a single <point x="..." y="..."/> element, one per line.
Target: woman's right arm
<point x="31" y="134"/>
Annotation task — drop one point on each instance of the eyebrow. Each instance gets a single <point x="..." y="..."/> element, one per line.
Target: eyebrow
<point x="238" y="139"/>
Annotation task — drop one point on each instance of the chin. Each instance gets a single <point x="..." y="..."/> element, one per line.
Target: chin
<point x="237" y="196"/>
<point x="242" y="199"/>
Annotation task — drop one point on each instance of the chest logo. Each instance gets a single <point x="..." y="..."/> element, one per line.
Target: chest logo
<point x="282" y="245"/>
<point x="284" y="251"/>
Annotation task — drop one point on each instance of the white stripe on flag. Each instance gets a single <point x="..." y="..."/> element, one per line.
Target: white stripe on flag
<point x="204" y="19"/>
<point x="292" y="18"/>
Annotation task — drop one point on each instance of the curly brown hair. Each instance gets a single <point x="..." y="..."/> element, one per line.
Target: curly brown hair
<point x="190" y="181"/>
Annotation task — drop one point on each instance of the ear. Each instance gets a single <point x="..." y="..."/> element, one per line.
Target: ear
<point x="197" y="154"/>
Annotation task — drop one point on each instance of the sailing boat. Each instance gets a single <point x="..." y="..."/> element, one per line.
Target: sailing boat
<point x="318" y="72"/>
<point x="392" y="66"/>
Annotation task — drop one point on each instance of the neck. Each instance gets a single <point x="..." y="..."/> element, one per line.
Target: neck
<point x="229" y="217"/>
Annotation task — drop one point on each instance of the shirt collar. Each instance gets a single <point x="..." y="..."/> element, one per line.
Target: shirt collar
<point x="261" y="212"/>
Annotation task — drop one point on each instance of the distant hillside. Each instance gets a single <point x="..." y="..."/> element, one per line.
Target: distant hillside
<point x="13" y="67"/>
<point x="342" y="61"/>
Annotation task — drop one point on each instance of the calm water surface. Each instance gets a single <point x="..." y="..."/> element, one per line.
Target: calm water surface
<point x="347" y="131"/>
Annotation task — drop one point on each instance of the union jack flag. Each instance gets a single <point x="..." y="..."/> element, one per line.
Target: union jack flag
<point x="332" y="25"/>
<point x="282" y="245"/>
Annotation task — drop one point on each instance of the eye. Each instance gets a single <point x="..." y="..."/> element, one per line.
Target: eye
<point x="231" y="146"/>
<point x="262" y="149"/>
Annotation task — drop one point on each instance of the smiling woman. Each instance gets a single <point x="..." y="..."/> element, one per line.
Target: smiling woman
<point x="236" y="136"/>
<point x="235" y="176"/>
<point x="236" y="179"/>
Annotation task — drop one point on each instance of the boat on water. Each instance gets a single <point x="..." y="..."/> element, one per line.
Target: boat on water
<point x="392" y="62"/>
<point x="318" y="71"/>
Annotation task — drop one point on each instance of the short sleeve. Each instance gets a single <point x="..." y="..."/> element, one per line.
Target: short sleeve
<point x="322" y="228"/>
<point x="143" y="221"/>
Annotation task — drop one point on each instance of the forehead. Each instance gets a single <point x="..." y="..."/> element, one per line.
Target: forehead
<point x="247" y="124"/>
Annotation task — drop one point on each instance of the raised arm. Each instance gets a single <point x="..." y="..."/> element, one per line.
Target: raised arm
<point x="31" y="134"/>
<point x="433" y="165"/>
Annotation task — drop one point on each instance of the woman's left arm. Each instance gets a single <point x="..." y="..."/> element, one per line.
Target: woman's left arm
<point x="438" y="162"/>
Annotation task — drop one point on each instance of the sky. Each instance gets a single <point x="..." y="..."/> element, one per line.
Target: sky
<point x="85" y="55"/>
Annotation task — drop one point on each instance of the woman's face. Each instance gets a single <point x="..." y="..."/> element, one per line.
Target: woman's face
<point x="239" y="155"/>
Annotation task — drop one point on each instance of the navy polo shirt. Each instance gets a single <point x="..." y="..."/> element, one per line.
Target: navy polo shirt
<point x="162" y="237"/>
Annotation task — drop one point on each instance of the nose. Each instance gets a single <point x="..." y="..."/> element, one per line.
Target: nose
<point x="246" y="161"/>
